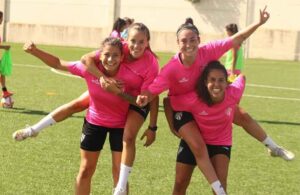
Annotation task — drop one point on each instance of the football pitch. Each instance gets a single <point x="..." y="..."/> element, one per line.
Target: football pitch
<point x="49" y="163"/>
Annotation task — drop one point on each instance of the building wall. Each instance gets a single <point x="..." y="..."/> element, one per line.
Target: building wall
<point x="86" y="23"/>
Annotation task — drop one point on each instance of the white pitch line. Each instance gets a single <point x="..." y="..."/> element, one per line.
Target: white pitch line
<point x="64" y="74"/>
<point x="246" y="95"/>
<point x="271" y="97"/>
<point x="272" y="87"/>
<point x="31" y="66"/>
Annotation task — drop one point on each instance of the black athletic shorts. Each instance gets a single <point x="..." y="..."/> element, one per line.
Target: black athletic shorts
<point x="142" y="111"/>
<point x="93" y="137"/>
<point x="180" y="118"/>
<point x="185" y="155"/>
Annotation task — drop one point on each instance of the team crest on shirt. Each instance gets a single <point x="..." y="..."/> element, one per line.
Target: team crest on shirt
<point x="178" y="116"/>
<point x="228" y="111"/>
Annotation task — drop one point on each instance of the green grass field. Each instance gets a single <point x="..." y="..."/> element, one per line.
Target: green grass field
<point x="49" y="163"/>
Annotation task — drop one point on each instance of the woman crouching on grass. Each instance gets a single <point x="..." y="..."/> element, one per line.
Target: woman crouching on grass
<point x="212" y="105"/>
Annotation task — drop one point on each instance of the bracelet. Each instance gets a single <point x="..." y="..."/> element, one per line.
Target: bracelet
<point x="154" y="128"/>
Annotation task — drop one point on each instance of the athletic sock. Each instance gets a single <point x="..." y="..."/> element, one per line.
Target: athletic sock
<point x="123" y="178"/>
<point x="270" y="143"/>
<point x="218" y="188"/>
<point x="45" y="122"/>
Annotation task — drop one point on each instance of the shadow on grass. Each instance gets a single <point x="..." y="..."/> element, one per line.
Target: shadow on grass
<point x="30" y="112"/>
<point x="279" y="122"/>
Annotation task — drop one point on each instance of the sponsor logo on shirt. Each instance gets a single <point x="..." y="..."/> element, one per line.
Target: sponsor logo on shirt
<point x="183" y="80"/>
<point x="178" y="116"/>
<point x="203" y="113"/>
<point x="228" y="111"/>
<point x="96" y="81"/>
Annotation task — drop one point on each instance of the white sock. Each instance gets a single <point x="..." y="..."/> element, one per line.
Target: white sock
<point x="218" y="188"/>
<point x="123" y="177"/>
<point x="270" y="143"/>
<point x="45" y="122"/>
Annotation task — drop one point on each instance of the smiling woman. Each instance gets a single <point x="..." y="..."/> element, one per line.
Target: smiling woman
<point x="101" y="118"/>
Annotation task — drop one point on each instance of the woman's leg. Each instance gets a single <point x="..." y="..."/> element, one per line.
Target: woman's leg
<point x="169" y="115"/>
<point x="243" y="119"/>
<point x="5" y="92"/>
<point x="59" y="114"/>
<point x="220" y="163"/>
<point x="116" y="161"/>
<point x="87" y="168"/>
<point x="133" y="123"/>
<point x="182" y="178"/>
<point x="191" y="135"/>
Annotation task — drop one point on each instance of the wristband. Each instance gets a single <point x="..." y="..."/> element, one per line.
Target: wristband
<point x="154" y="128"/>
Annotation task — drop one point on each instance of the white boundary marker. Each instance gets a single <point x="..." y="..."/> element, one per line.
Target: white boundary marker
<point x="272" y="87"/>
<point x="271" y="97"/>
<point x="246" y="95"/>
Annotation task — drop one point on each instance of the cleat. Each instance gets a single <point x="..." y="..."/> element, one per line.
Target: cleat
<point x="6" y="94"/>
<point x="22" y="134"/>
<point x="283" y="153"/>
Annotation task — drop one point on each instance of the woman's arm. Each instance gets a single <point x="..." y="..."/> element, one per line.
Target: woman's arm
<point x="47" y="58"/>
<point x="242" y="35"/>
<point x="143" y="99"/>
<point x="89" y="62"/>
<point x="150" y="132"/>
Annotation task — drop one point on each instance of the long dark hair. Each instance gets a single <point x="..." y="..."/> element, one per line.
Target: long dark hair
<point x="201" y="87"/>
<point x="119" y="24"/>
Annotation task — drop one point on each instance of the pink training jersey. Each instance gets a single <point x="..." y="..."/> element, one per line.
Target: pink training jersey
<point x="180" y="79"/>
<point x="105" y="109"/>
<point x="145" y="69"/>
<point x="214" y="122"/>
<point x="115" y="34"/>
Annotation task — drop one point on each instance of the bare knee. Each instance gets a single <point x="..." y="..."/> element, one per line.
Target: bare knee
<point x="180" y="186"/>
<point x="129" y="139"/>
<point x="86" y="172"/>
<point x="199" y="150"/>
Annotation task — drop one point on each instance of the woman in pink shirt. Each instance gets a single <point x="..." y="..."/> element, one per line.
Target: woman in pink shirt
<point x="101" y="118"/>
<point x="179" y="76"/>
<point x="142" y="61"/>
<point x="138" y="58"/>
<point x="119" y="26"/>
<point x="212" y="106"/>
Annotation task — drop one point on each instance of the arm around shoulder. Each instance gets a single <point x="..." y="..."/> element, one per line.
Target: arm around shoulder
<point x="89" y="62"/>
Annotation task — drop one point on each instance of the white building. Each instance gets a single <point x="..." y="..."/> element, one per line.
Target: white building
<point x="86" y="22"/>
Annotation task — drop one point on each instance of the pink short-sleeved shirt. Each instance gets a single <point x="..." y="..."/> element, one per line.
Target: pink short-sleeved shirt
<point x="145" y="69"/>
<point x="115" y="34"/>
<point x="214" y="122"/>
<point x="105" y="109"/>
<point x="179" y="79"/>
